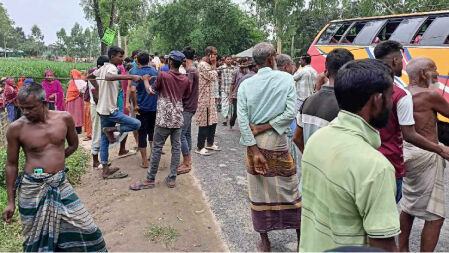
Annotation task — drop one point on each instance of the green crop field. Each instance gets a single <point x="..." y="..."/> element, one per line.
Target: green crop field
<point x="14" y="67"/>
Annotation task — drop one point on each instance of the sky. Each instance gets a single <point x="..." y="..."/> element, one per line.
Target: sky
<point x="50" y="15"/>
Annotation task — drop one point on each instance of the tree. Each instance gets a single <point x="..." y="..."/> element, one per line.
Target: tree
<point x="219" y="23"/>
<point x="278" y="14"/>
<point x="108" y="13"/>
<point x="5" y="27"/>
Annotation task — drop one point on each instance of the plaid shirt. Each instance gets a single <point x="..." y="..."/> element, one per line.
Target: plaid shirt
<point x="226" y="77"/>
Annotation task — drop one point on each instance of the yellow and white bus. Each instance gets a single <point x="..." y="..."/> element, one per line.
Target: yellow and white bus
<point x="421" y="34"/>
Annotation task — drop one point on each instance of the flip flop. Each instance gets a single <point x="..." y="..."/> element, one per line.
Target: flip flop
<point x="214" y="148"/>
<point x="204" y="152"/>
<point x="130" y="152"/>
<point x="140" y="186"/>
<point x="183" y="170"/>
<point x="170" y="183"/>
<point x="117" y="175"/>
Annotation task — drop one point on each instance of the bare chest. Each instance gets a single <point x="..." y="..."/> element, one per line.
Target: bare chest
<point x="36" y="138"/>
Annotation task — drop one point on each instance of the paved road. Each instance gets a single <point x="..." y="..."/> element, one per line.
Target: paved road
<point x="223" y="178"/>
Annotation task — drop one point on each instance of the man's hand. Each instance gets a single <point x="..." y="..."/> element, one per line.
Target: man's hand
<point x="8" y="212"/>
<point x="254" y="129"/>
<point x="52" y="96"/>
<point x="137" y="110"/>
<point x="148" y="77"/>
<point x="444" y="152"/>
<point x="260" y="163"/>
<point x="137" y="79"/>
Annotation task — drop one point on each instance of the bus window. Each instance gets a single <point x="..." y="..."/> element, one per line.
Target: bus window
<point x="407" y="29"/>
<point x="436" y="33"/>
<point x="339" y="34"/>
<point x="327" y="35"/>
<point x="353" y="31"/>
<point x="388" y="30"/>
<point x="418" y="36"/>
<point x="368" y="32"/>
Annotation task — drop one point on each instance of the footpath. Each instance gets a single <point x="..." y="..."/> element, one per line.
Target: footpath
<point x="158" y="219"/>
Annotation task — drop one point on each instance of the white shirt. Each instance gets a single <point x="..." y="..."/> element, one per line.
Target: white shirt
<point x="404" y="105"/>
<point x="108" y="90"/>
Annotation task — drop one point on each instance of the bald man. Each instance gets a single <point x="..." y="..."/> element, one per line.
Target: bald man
<point x="423" y="186"/>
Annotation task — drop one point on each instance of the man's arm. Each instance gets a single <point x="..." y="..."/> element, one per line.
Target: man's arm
<point x="114" y="77"/>
<point x="298" y="138"/>
<point x="11" y="170"/>
<point x="148" y="88"/>
<point x="72" y="137"/>
<point x="298" y="75"/>
<point x="260" y="163"/>
<point x="94" y="83"/>
<point x="210" y="75"/>
<point x="282" y="122"/>
<point x="440" y="105"/>
<point x="407" y="122"/>
<point x="410" y="135"/>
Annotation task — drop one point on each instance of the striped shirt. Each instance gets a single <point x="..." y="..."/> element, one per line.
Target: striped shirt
<point x="317" y="111"/>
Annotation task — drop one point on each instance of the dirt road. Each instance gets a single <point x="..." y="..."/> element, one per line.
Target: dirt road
<point x="159" y="219"/>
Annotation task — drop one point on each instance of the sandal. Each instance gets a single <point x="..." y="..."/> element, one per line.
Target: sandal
<point x="128" y="153"/>
<point x="213" y="147"/>
<point x="141" y="186"/>
<point x="170" y="183"/>
<point x="183" y="170"/>
<point x="117" y="175"/>
<point x="204" y="152"/>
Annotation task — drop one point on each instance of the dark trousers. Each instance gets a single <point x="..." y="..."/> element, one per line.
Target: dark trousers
<point x="233" y="112"/>
<point x="206" y="132"/>
<point x="146" y="130"/>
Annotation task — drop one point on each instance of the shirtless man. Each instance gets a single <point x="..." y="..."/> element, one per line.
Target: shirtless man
<point x="42" y="134"/>
<point x="423" y="187"/>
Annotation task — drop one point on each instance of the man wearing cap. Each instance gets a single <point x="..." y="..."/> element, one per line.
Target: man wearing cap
<point x="247" y="70"/>
<point x="172" y="88"/>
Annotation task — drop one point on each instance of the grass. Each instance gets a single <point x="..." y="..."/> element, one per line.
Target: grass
<point x="10" y="234"/>
<point x="165" y="234"/>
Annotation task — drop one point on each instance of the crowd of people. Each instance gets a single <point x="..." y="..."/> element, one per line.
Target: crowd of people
<point x="368" y="141"/>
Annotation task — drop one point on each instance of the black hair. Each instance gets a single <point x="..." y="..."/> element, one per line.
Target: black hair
<point x="386" y="48"/>
<point x="209" y="50"/>
<point x="358" y="80"/>
<point x="135" y="52"/>
<point x="189" y="52"/>
<point x="176" y="64"/>
<point x="156" y="53"/>
<point x="143" y="58"/>
<point x="114" y="50"/>
<point x="102" y="59"/>
<point x="129" y="66"/>
<point x="128" y="60"/>
<point x="32" y="89"/>
<point x="336" y="59"/>
<point x="307" y="58"/>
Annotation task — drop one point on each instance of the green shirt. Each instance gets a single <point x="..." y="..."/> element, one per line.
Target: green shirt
<point x="349" y="187"/>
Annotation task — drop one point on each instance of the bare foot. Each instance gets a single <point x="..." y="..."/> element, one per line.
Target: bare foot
<point x="87" y="138"/>
<point x="123" y="152"/>
<point x="144" y="165"/>
<point x="95" y="164"/>
<point x="109" y="171"/>
<point x="263" y="247"/>
<point x="109" y="132"/>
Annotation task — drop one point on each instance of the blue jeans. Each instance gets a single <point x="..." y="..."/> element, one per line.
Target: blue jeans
<point x="127" y="124"/>
<point x="186" y="134"/>
<point x="398" y="189"/>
